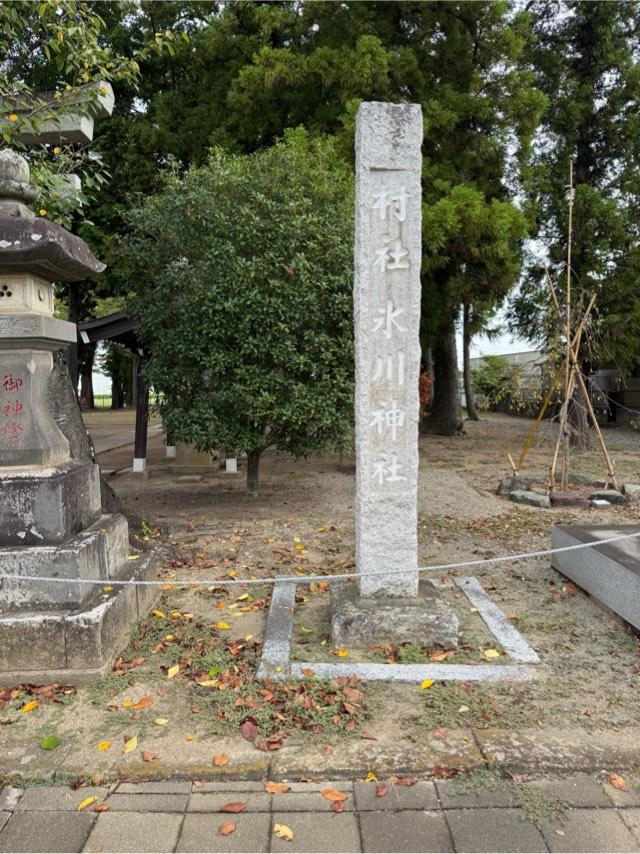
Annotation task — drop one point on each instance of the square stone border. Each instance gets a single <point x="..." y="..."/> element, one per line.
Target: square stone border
<point x="276" y="662"/>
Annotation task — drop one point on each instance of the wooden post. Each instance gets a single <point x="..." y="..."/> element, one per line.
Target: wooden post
<point x="142" y="417"/>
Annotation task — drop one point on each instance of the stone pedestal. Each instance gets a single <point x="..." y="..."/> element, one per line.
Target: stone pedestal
<point x="54" y="625"/>
<point x="387" y="296"/>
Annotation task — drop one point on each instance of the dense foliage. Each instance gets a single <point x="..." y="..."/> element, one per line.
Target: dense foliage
<point x="244" y="299"/>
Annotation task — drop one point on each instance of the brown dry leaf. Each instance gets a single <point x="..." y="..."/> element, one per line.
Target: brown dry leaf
<point x="381" y="790"/>
<point x="369" y="736"/>
<point x="337" y="806"/>
<point x="148" y="756"/>
<point x="234" y="806"/>
<point x="334" y="795"/>
<point x="276" y="788"/>
<point x="226" y="828"/>
<point x="100" y="808"/>
<point x="411" y="781"/>
<point x="617" y="781"/>
<point x="220" y="759"/>
<point x="307" y="671"/>
<point x="249" y="729"/>
<point x="143" y="703"/>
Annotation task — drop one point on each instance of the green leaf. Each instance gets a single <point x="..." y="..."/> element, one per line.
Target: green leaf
<point x="50" y="742"/>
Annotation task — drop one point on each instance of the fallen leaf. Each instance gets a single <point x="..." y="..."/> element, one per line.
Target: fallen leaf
<point x="159" y="614"/>
<point x="337" y="806"/>
<point x="161" y="721"/>
<point x="222" y="625"/>
<point x="173" y="671"/>
<point x="147" y="756"/>
<point x="463" y="709"/>
<point x="371" y="777"/>
<point x="30" y="706"/>
<point x="369" y="736"/>
<point x="491" y="653"/>
<point x="131" y="744"/>
<point x="87" y="802"/>
<point x="50" y="742"/>
<point x="276" y="788"/>
<point x="283" y="832"/>
<point x="334" y="794"/>
<point x="143" y="703"/>
<point x="307" y="671"/>
<point x="342" y="653"/>
<point x="234" y="806"/>
<point x="426" y="683"/>
<point x="249" y="729"/>
<point x="104" y="745"/>
<point x="220" y="759"/>
<point x="617" y="781"/>
<point x="381" y="790"/>
<point x="226" y="828"/>
<point x="100" y="808"/>
<point x="559" y="831"/>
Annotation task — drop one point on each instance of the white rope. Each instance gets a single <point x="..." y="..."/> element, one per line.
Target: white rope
<point x="305" y="579"/>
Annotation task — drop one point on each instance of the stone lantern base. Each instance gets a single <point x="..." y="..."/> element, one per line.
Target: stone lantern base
<point x="70" y="632"/>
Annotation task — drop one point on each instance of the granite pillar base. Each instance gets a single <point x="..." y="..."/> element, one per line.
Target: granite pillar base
<point x="361" y="622"/>
<point x="74" y="645"/>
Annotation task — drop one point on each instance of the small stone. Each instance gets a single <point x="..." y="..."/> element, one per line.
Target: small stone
<point x="610" y="495"/>
<point x="599" y="502"/>
<point x="567" y="499"/>
<point x="189" y="478"/>
<point x="632" y="490"/>
<point x="533" y="499"/>
<point x="514" y="483"/>
<point x="580" y="479"/>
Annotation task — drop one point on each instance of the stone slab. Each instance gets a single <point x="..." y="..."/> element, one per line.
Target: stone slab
<point x="46" y="831"/>
<point x="9" y="797"/>
<point x="214" y="801"/>
<point x="620" y="798"/>
<point x="98" y="552"/>
<point x="148" y="802"/>
<point x="632" y="490"/>
<point x="417" y="672"/>
<point x="577" y="790"/>
<point x="362" y="622"/>
<point x="164" y="787"/>
<point x="589" y="830"/>
<point x="276" y="652"/>
<point x="512" y="483"/>
<point x="421" y="796"/>
<point x="490" y="830"/>
<point x="567" y="499"/>
<point x="533" y="499"/>
<point x="631" y="818"/>
<point x="454" y="794"/>
<point x="317" y="834"/>
<point x="200" y="833"/>
<point x="47" y="798"/>
<point x="39" y="331"/>
<point x="404" y="831"/>
<point x="150" y="832"/>
<point x="231" y="786"/>
<point x="609" y="572"/>
<point x="48" y="507"/>
<point x="307" y="801"/>
<point x="610" y="495"/>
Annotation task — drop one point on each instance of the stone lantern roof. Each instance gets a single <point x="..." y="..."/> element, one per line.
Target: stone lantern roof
<point x="31" y="245"/>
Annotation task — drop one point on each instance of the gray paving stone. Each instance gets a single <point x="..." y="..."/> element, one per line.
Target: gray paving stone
<point x="630" y="798"/>
<point x="579" y="790"/>
<point x="147" y="834"/>
<point x="9" y="797"/>
<point x="308" y="802"/>
<point x="631" y="818"/>
<point x="56" y="798"/>
<point x="453" y="795"/>
<point x="46" y="831"/>
<point x="405" y="831"/>
<point x="493" y="830"/>
<point x="230" y="786"/>
<point x="147" y="803"/>
<point x="213" y="801"/>
<point x="341" y="785"/>
<point x="200" y="833"/>
<point x="316" y="834"/>
<point x="421" y="796"/>
<point x="587" y="830"/>
<point x="163" y="787"/>
<point x="4" y="818"/>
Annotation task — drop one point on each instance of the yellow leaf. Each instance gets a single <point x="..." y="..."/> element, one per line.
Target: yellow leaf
<point x="131" y="744"/>
<point x="104" y="745"/>
<point x="30" y="706"/>
<point x="191" y="738"/>
<point x="321" y="530"/>
<point x="87" y="802"/>
<point x="427" y="683"/>
<point x="241" y="598"/>
<point x="168" y="587"/>
<point x="283" y="832"/>
<point x="127" y="704"/>
<point x="371" y="777"/>
<point x="13" y="117"/>
<point x="463" y="709"/>
<point x="173" y="671"/>
<point x="222" y="625"/>
<point x="248" y="637"/>
<point x="474" y="610"/>
<point x="42" y="212"/>
<point x="108" y="588"/>
<point x="161" y="721"/>
<point x="169" y="637"/>
<point x="232" y="573"/>
<point x="343" y="653"/>
<point x="560" y="832"/>
<point x="208" y="683"/>
<point x="159" y="614"/>
<point x="491" y="653"/>
<point x="133" y="557"/>
<point x="299" y="547"/>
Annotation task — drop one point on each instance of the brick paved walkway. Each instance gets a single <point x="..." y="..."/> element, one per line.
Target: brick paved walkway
<point x="579" y="813"/>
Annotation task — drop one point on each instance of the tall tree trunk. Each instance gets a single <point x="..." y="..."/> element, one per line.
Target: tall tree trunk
<point x="472" y="412"/>
<point x="116" y="394"/>
<point x="86" y="358"/>
<point x="253" y="466"/>
<point x="445" y="417"/>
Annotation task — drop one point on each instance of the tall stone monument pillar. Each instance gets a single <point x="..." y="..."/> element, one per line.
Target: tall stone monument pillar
<point x="51" y="523"/>
<point x="389" y="603"/>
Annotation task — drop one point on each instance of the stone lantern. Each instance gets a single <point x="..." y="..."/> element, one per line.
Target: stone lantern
<point x="51" y="523"/>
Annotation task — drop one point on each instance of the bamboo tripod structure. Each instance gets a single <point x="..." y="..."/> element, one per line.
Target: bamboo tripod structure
<point x="573" y="380"/>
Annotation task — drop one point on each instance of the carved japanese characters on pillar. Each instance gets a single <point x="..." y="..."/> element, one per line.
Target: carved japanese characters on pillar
<point x="387" y="321"/>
